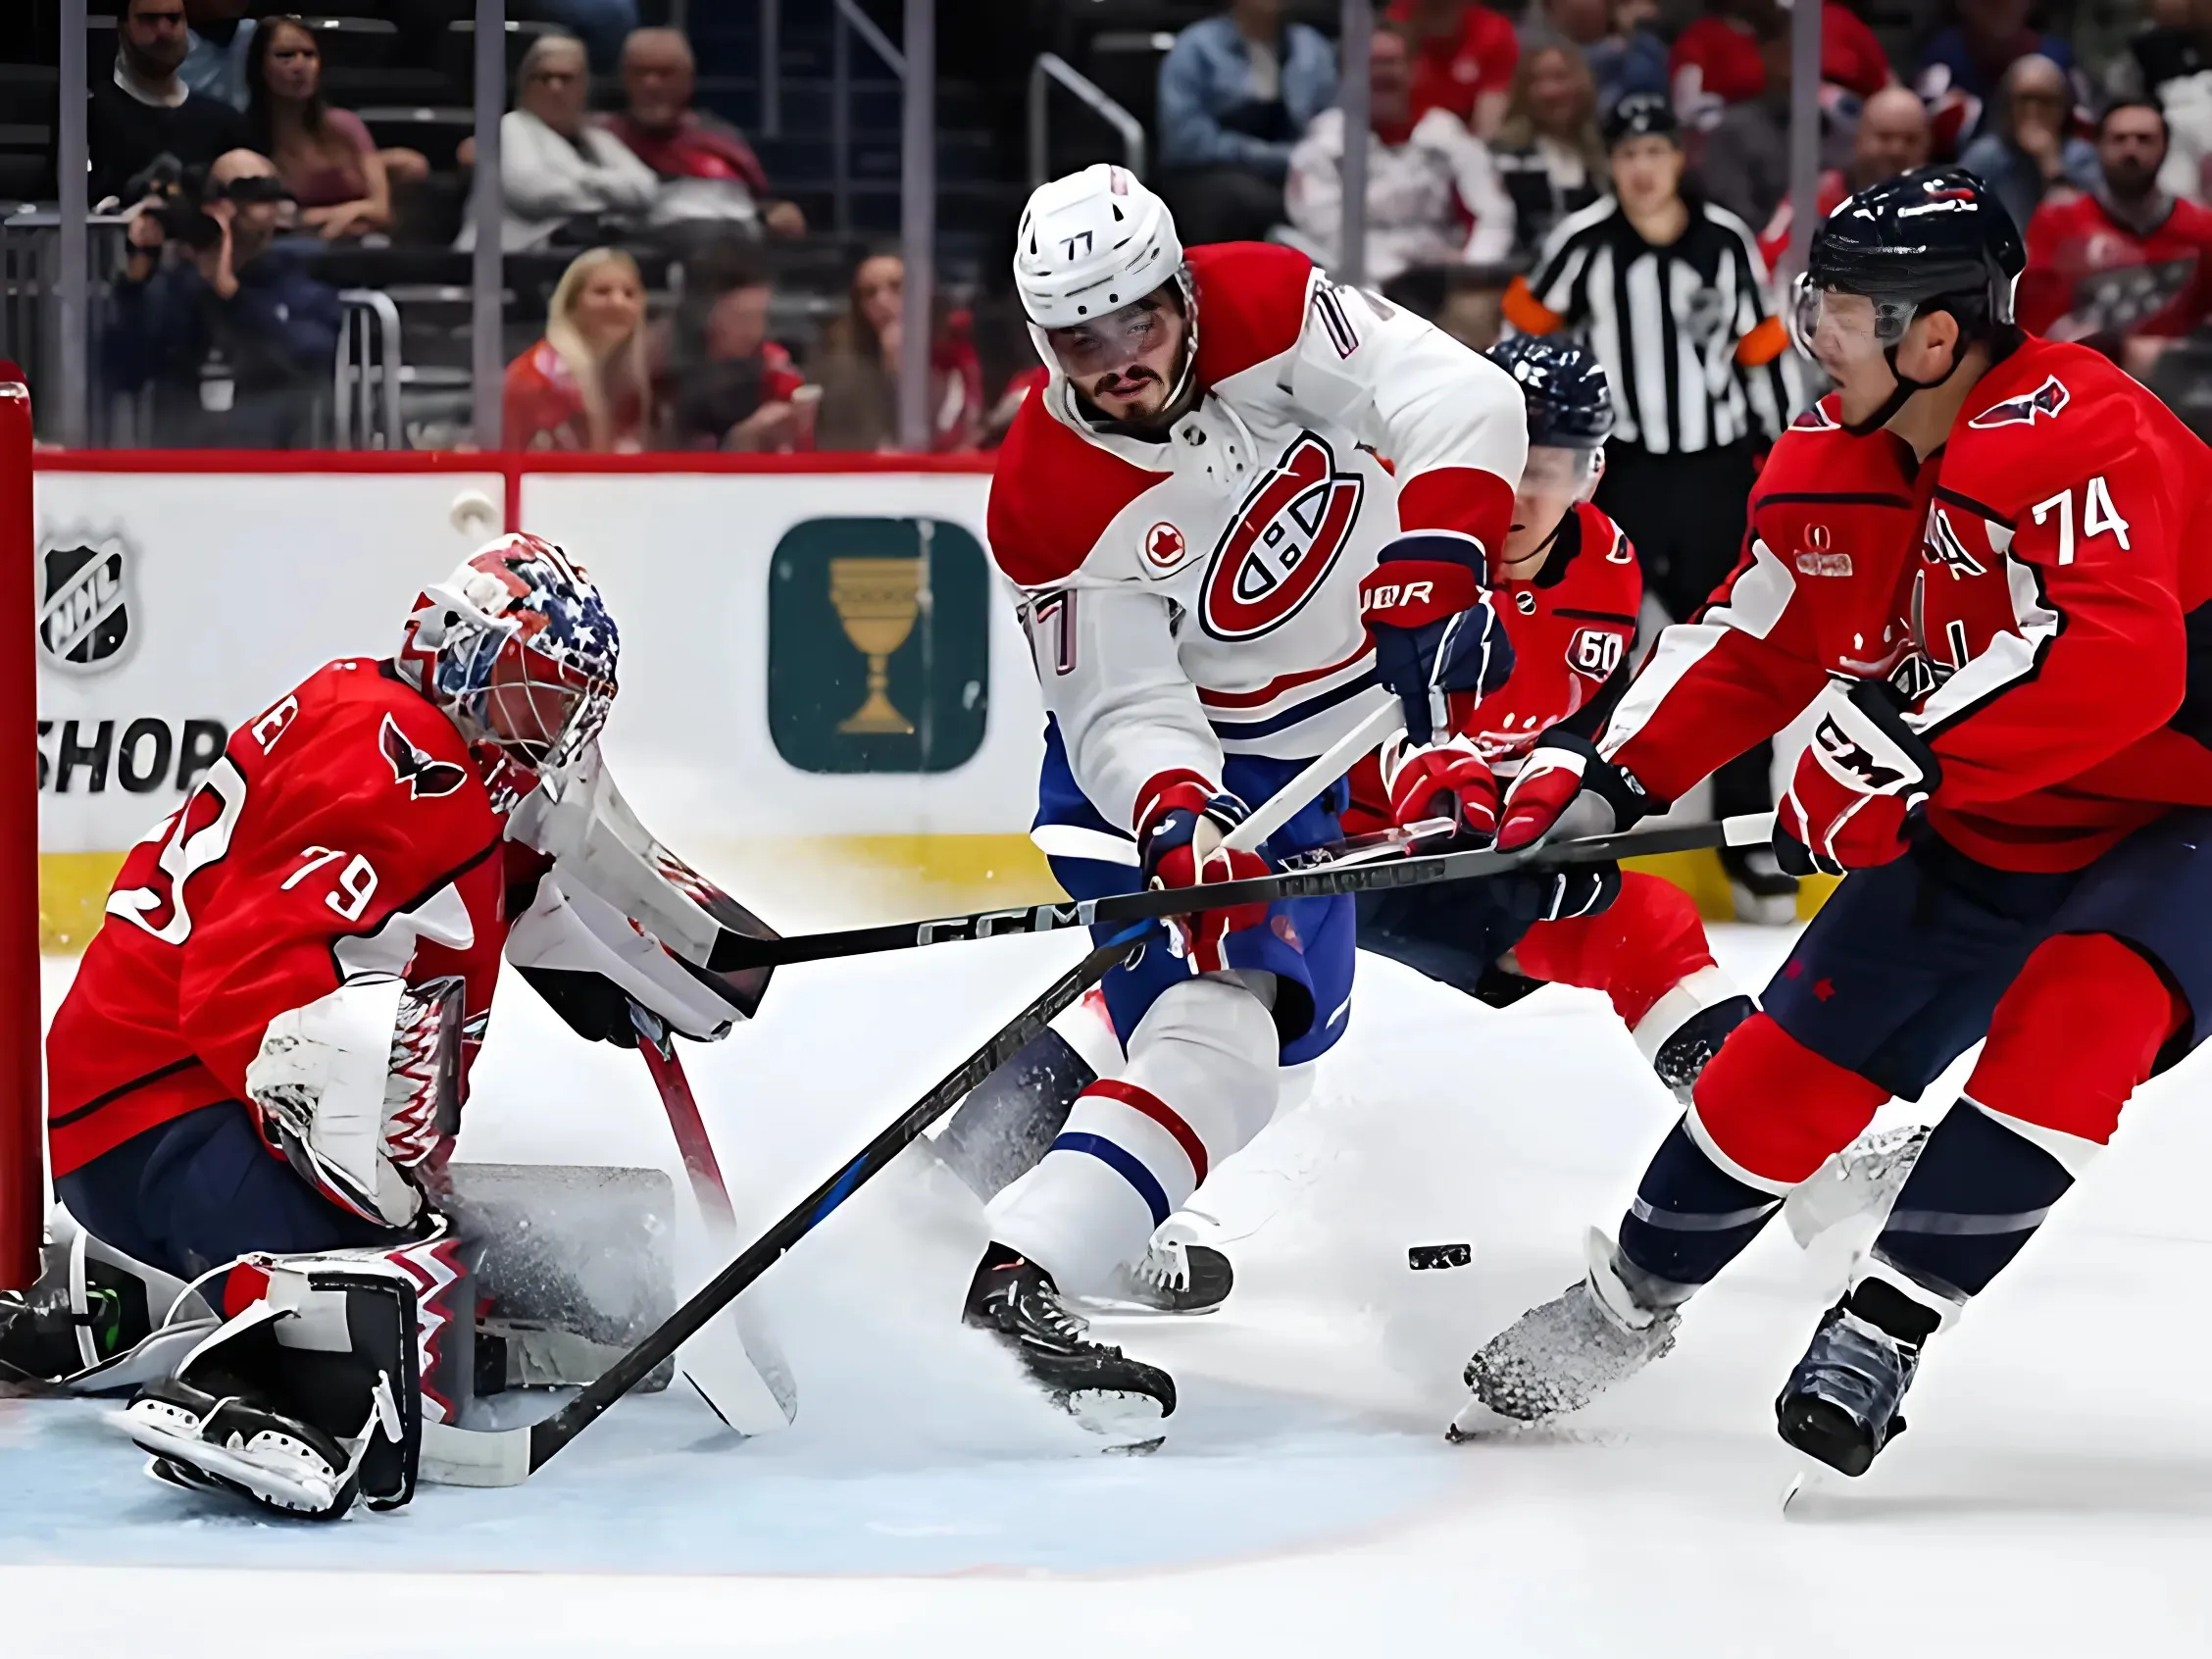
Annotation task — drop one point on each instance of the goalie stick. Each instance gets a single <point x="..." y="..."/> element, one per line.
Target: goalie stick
<point x="732" y="1363"/>
<point x="507" y="1457"/>
<point x="737" y="953"/>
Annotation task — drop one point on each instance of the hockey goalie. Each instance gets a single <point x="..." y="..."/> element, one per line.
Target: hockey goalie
<point x="258" y="1073"/>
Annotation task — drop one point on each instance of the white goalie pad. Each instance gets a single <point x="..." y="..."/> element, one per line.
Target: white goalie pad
<point x="598" y="845"/>
<point x="360" y="1085"/>
<point x="580" y="931"/>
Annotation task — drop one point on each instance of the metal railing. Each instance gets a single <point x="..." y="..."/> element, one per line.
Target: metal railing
<point x="846" y="21"/>
<point x="365" y="390"/>
<point x="40" y="320"/>
<point x="1050" y="66"/>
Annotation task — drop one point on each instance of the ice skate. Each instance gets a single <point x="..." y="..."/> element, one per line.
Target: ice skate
<point x="1015" y="1301"/>
<point x="1840" y="1403"/>
<point x="1763" y="894"/>
<point x="1557" y="1358"/>
<point x="1172" y="1277"/>
<point x="1862" y="1180"/>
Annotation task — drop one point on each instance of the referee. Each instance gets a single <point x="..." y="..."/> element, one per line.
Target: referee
<point x="1670" y="291"/>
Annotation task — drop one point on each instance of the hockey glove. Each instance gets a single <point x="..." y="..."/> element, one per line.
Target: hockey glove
<point x="1181" y="824"/>
<point x="1564" y="785"/>
<point x="1862" y="776"/>
<point x="1432" y="628"/>
<point x="1448" y="780"/>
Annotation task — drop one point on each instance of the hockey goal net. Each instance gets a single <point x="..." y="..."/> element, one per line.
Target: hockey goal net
<point x="22" y="1169"/>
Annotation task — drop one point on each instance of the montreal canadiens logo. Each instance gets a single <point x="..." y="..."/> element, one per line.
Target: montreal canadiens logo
<point x="1280" y="546"/>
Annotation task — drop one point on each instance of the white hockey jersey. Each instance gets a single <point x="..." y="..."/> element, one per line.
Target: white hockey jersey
<point x="1198" y="596"/>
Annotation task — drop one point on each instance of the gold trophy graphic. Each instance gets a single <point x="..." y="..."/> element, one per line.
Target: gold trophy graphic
<point x="876" y="600"/>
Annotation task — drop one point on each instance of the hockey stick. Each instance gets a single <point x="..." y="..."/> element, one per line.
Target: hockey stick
<point x="507" y="1457"/>
<point x="733" y="951"/>
<point x="732" y="1363"/>
<point x="1295" y="796"/>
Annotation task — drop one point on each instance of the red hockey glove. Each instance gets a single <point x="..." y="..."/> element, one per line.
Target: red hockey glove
<point x="1564" y="773"/>
<point x="1180" y="822"/>
<point x="1448" y="780"/>
<point x="1864" y="772"/>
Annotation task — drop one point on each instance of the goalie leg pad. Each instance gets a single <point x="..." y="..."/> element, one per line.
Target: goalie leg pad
<point x="311" y="1396"/>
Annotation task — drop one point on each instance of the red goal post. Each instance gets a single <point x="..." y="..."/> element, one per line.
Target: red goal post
<point x="22" y="1164"/>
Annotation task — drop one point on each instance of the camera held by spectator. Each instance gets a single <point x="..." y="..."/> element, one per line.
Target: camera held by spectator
<point x="235" y="335"/>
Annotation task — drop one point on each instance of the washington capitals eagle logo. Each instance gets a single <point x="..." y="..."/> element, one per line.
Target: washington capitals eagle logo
<point x="424" y="775"/>
<point x="2046" y="399"/>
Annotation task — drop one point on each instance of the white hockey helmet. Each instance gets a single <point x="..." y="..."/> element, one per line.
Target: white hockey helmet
<point x="1091" y="244"/>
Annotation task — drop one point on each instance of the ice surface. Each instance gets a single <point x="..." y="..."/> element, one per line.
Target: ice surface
<point x="2054" y="1495"/>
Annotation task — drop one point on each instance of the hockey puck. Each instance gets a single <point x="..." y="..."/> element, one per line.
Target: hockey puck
<point x="1422" y="1257"/>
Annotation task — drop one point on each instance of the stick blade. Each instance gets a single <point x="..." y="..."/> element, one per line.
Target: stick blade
<point x="737" y="1369"/>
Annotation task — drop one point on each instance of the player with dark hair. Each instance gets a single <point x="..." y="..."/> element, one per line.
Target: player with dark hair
<point x="1981" y="561"/>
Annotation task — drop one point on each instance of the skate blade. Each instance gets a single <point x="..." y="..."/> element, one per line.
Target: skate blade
<point x="1478" y="1422"/>
<point x="1128" y="1420"/>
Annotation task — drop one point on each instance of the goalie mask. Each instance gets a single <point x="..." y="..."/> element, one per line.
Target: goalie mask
<point x="519" y="648"/>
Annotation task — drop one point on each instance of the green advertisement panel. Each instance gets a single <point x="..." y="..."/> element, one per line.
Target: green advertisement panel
<point x="878" y="645"/>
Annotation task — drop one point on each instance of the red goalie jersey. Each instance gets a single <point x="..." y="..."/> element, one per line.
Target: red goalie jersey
<point x="346" y="828"/>
<point x="2035" y="586"/>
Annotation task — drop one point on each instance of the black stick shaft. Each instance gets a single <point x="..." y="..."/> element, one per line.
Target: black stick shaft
<point x="549" y="1436"/>
<point x="735" y="951"/>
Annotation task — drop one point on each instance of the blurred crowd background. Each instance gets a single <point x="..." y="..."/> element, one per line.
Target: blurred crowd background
<point x="700" y="217"/>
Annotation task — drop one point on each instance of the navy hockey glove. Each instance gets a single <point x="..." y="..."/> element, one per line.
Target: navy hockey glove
<point x="1432" y="628"/>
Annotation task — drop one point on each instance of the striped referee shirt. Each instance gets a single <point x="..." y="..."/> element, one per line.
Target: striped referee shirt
<point x="1694" y="353"/>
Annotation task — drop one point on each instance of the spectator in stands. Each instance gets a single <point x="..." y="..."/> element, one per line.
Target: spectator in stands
<point x="143" y="110"/>
<point x="1892" y="138"/>
<point x="601" y="25"/>
<point x="2170" y="63"/>
<point x="1547" y="150"/>
<point x="1963" y="67"/>
<point x="1236" y="91"/>
<point x="724" y="383"/>
<point x="325" y="156"/>
<point x="1463" y="59"/>
<point x="215" y="46"/>
<point x="231" y="330"/>
<point x="1745" y="167"/>
<point x="708" y="173"/>
<point x="858" y="364"/>
<point x="1472" y="311"/>
<point x="563" y="178"/>
<point x="1432" y="196"/>
<point x="588" y="384"/>
<point x="2128" y="223"/>
<point x="1620" y="43"/>
<point x="2028" y="145"/>
<point x="1724" y="57"/>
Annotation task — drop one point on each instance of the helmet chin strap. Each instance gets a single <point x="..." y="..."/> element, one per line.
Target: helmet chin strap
<point x="1906" y="386"/>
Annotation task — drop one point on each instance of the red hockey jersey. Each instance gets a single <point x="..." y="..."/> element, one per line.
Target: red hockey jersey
<point x="1571" y="630"/>
<point x="2035" y="586"/>
<point x="345" y="829"/>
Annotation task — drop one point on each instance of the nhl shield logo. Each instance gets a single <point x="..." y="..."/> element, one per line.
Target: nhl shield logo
<point x="84" y="603"/>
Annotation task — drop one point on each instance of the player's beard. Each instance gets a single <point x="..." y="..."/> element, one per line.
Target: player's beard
<point x="1140" y="393"/>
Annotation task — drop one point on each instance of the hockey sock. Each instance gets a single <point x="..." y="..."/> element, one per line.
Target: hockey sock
<point x="1636" y="950"/>
<point x="1768" y="1112"/>
<point x="1199" y="1083"/>
<point x="2076" y="1031"/>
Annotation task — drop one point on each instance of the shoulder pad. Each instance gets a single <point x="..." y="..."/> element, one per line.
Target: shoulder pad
<point x="1052" y="496"/>
<point x="1251" y="304"/>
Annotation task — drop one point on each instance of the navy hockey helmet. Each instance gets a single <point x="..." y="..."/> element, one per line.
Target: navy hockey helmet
<point x="1933" y="239"/>
<point x="1569" y="405"/>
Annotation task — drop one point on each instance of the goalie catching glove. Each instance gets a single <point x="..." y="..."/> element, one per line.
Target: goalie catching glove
<point x="1860" y="779"/>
